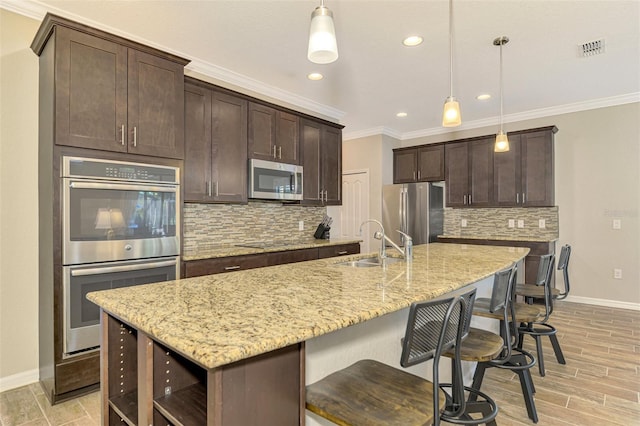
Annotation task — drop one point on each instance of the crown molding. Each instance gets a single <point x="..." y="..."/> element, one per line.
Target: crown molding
<point x="510" y="118"/>
<point x="25" y="8"/>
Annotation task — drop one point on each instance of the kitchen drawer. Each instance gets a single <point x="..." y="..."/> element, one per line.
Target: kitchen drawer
<point x="291" y="256"/>
<point x="339" y="250"/>
<point x="197" y="268"/>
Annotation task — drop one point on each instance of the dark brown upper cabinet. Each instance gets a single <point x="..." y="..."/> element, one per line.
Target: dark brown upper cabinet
<point x="469" y="173"/>
<point x="273" y="134"/>
<point x="321" y="147"/>
<point x="111" y="94"/>
<point x="524" y="175"/>
<point x="418" y="164"/>
<point x="215" y="163"/>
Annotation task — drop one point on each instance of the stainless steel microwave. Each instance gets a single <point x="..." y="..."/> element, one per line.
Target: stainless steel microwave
<point x="269" y="180"/>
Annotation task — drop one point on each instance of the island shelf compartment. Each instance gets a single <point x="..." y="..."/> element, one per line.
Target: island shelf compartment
<point x="122" y="362"/>
<point x="179" y="388"/>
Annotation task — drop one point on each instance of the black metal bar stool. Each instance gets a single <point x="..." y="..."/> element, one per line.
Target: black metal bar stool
<point x="371" y="393"/>
<point x="541" y="327"/>
<point x="501" y="306"/>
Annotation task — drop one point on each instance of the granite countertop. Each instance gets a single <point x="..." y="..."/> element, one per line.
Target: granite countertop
<point x="500" y="238"/>
<point x="209" y="251"/>
<point x="219" y="319"/>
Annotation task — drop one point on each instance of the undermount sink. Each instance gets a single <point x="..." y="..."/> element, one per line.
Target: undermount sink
<point x="370" y="262"/>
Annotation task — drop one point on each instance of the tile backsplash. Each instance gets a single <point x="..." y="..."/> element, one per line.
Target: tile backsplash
<point x="488" y="223"/>
<point x="224" y="224"/>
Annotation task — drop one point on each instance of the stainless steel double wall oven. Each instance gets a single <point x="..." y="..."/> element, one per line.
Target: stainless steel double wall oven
<point x="120" y="227"/>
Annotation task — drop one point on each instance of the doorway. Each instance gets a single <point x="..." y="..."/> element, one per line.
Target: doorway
<point x="355" y="207"/>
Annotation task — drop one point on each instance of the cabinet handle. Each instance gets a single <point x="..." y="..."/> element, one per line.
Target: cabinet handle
<point x="231" y="268"/>
<point x="208" y="188"/>
<point x="122" y="134"/>
<point x="418" y="174"/>
<point x="469" y="199"/>
<point x="414" y="175"/>
<point x="135" y="136"/>
<point x="340" y="253"/>
<point x="279" y="152"/>
<point x="523" y="198"/>
<point x="274" y="151"/>
<point x="217" y="189"/>
<point x="464" y="200"/>
<point x="517" y="198"/>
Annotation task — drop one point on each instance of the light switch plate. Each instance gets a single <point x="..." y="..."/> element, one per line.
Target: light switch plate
<point x="617" y="224"/>
<point x="520" y="223"/>
<point x="512" y="223"/>
<point x="542" y="223"/>
<point x="617" y="274"/>
<point x="463" y="223"/>
<point x="301" y="225"/>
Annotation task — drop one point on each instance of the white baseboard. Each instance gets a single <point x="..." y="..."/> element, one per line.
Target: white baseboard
<point x="604" y="302"/>
<point x="18" y="380"/>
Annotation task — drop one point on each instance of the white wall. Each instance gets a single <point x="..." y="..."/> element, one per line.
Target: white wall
<point x="18" y="201"/>
<point x="597" y="178"/>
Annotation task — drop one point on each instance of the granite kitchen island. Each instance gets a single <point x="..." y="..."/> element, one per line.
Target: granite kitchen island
<point x="230" y="349"/>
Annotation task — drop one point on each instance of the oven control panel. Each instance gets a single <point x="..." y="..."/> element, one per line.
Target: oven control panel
<point x="93" y="168"/>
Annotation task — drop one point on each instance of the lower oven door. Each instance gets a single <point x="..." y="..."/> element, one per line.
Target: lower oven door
<point x="82" y="317"/>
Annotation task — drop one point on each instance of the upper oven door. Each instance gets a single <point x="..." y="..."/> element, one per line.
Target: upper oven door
<point x="108" y="221"/>
<point x="274" y="181"/>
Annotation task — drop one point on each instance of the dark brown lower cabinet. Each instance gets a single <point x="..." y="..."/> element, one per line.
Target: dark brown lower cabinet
<point x="198" y="268"/>
<point x="145" y="382"/>
<point x="531" y="261"/>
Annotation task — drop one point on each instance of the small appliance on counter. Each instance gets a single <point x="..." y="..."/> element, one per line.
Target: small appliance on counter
<point x="322" y="232"/>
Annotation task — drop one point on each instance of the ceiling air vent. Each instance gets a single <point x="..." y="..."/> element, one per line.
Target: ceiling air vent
<point x="591" y="48"/>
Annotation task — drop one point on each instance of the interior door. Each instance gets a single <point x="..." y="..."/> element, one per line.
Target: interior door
<point x="354" y="210"/>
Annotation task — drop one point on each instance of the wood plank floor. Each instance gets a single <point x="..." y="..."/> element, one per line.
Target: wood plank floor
<point x="599" y="385"/>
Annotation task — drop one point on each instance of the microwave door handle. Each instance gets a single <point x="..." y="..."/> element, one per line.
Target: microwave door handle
<point x="123" y="268"/>
<point x="121" y="187"/>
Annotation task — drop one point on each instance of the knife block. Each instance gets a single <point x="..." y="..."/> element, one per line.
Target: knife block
<point x="322" y="232"/>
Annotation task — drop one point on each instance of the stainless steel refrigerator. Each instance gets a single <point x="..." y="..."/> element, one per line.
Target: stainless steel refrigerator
<point x="415" y="209"/>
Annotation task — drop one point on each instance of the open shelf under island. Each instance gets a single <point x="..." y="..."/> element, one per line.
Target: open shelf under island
<point x="236" y="348"/>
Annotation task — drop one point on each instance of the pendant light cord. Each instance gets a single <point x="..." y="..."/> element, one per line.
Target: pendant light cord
<point x="501" y="85"/>
<point x="451" y="48"/>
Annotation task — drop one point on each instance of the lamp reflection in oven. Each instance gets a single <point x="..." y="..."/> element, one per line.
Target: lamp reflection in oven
<point x="110" y="220"/>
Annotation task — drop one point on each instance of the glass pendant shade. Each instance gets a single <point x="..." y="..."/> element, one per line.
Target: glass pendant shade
<point x="323" y="48"/>
<point x="502" y="142"/>
<point x="451" y="114"/>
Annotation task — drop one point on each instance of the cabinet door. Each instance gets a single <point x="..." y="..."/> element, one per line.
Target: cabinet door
<point x="90" y="92"/>
<point x="155" y="106"/>
<point x="457" y="174"/>
<point x="229" y="148"/>
<point x="480" y="173"/>
<point x="507" y="174"/>
<point x="197" y="152"/>
<point x="310" y="143"/>
<point x="287" y="139"/>
<point x="537" y="168"/>
<point x="405" y="163"/>
<point x="262" y="132"/>
<point x="430" y="163"/>
<point x="331" y="146"/>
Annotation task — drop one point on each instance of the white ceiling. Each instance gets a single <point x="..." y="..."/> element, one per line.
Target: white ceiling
<point x="261" y="45"/>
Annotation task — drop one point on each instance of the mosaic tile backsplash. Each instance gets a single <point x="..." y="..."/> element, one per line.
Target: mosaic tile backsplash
<point x="227" y="224"/>
<point x="494" y="223"/>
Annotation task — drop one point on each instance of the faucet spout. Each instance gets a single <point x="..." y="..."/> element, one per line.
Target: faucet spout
<point x="383" y="253"/>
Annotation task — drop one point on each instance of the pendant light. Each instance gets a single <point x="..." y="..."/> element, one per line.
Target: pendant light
<point x="502" y="142"/>
<point x="451" y="114"/>
<point x="323" y="48"/>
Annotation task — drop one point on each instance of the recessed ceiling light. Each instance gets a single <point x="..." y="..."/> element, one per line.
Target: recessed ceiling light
<point x="483" y="97"/>
<point x="315" y="76"/>
<point x="412" y="41"/>
<point x="401" y="114"/>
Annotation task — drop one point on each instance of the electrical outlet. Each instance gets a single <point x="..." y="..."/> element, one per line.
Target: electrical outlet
<point x="301" y="225"/>
<point x="617" y="224"/>
<point x="542" y="223"/>
<point x="520" y="223"/>
<point x="617" y="274"/>
<point x="512" y="223"/>
<point x="463" y="223"/>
